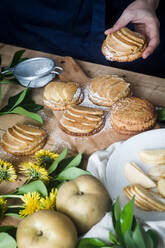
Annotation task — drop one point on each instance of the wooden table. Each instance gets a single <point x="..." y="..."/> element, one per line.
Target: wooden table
<point x="151" y="88"/>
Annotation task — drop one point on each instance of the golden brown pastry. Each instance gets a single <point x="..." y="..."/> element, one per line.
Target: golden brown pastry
<point x="107" y="89"/>
<point x="132" y="115"/>
<point x="124" y="45"/>
<point x="82" y="121"/>
<point x="23" y="139"/>
<point x="60" y="95"/>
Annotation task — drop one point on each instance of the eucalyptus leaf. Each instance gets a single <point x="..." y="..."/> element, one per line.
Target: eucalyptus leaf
<point x="7" y="241"/>
<point x="126" y="217"/>
<point x="75" y="162"/>
<point x="22" y="111"/>
<point x="57" y="161"/>
<point x="16" y="58"/>
<point x="36" y="186"/>
<point x="91" y="243"/>
<point x="71" y="173"/>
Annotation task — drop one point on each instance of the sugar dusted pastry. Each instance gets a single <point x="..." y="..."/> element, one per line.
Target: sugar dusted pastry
<point x="124" y="45"/>
<point x="82" y="121"/>
<point x="60" y="95"/>
<point x="105" y="90"/>
<point x="132" y="115"/>
<point x="23" y="139"/>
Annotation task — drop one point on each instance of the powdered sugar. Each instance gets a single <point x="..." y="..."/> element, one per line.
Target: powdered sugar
<point x="109" y="55"/>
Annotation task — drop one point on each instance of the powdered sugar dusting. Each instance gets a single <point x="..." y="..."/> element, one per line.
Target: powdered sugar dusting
<point x="109" y="55"/>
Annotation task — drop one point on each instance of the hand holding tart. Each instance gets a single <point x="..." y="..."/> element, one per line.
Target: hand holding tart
<point x="124" y="45"/>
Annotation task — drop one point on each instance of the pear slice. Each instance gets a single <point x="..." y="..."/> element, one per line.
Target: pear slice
<point x="153" y="156"/>
<point x="150" y="197"/>
<point x="161" y="187"/>
<point x="135" y="175"/>
<point x="157" y="171"/>
<point x="130" y="193"/>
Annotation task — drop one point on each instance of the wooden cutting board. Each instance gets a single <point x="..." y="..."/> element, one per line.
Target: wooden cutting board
<point x="57" y="138"/>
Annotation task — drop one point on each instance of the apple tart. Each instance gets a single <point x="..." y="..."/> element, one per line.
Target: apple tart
<point x="82" y="121"/>
<point x="60" y="95"/>
<point x="23" y="139"/>
<point x="124" y="45"/>
<point x="132" y="115"/>
<point x="105" y="90"/>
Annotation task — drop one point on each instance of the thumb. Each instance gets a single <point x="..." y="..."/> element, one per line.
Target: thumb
<point x="121" y="22"/>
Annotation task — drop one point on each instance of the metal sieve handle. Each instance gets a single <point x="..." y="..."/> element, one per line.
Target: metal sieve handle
<point x="57" y="72"/>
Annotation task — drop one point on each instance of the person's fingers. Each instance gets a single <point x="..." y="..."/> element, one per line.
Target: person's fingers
<point x="124" y="19"/>
<point x="151" y="47"/>
<point x="153" y="36"/>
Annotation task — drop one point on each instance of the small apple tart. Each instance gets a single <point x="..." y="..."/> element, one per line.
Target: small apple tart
<point x="124" y="45"/>
<point x="82" y="121"/>
<point x="60" y="95"/>
<point x="105" y="90"/>
<point x="23" y="139"/>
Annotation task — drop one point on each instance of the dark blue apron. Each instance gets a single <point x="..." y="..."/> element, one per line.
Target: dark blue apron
<point x="74" y="28"/>
<point x="63" y="27"/>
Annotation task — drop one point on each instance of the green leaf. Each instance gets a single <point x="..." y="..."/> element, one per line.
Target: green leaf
<point x="16" y="58"/>
<point x="126" y="217"/>
<point x="91" y="243"/>
<point x="141" y="238"/>
<point x="22" y="111"/>
<point x="129" y="242"/>
<point x="36" y="186"/>
<point x="116" y="210"/>
<point x="71" y="173"/>
<point x="75" y="162"/>
<point x="161" y="114"/>
<point x="57" y="161"/>
<point x="27" y="103"/>
<point x="113" y="239"/>
<point x="7" y="241"/>
<point x="20" y="98"/>
<point x="6" y="228"/>
<point x="7" y="81"/>
<point x="154" y="237"/>
<point x="15" y="215"/>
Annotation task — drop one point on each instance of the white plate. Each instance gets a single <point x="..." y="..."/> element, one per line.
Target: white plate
<point x="128" y="152"/>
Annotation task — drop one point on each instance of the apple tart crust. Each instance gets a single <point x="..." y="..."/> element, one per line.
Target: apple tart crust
<point x="82" y="121"/>
<point x="60" y="95"/>
<point x="23" y="139"/>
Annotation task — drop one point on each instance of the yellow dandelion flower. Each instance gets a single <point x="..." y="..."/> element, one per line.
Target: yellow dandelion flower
<point x="3" y="207"/>
<point x="31" y="204"/>
<point x="34" y="171"/>
<point x="7" y="172"/>
<point x="49" y="202"/>
<point x="45" y="157"/>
